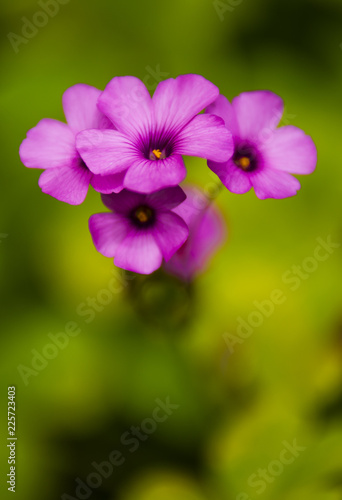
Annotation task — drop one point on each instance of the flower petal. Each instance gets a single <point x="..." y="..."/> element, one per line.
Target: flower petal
<point x="146" y="176"/>
<point x="235" y="179"/>
<point x="196" y="202"/>
<point x="139" y="253"/>
<point x="207" y="232"/>
<point x="177" y="101"/>
<point x="127" y="103"/>
<point x="123" y="202"/>
<point x="66" y="184"/>
<point x="108" y="183"/>
<point x="167" y="198"/>
<point x="49" y="144"/>
<point x="207" y="137"/>
<point x="108" y="230"/>
<point x="170" y="232"/>
<point x="221" y="107"/>
<point x="257" y="113"/>
<point x="290" y="150"/>
<point x="269" y="183"/>
<point x="105" y="151"/>
<point x="80" y="108"/>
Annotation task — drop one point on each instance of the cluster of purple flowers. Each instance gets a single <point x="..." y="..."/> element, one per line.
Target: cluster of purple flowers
<point x="129" y="147"/>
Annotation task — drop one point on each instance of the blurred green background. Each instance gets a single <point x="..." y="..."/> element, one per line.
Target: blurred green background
<point x="157" y="338"/>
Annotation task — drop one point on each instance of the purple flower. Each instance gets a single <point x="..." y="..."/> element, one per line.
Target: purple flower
<point x="141" y="230"/>
<point x="51" y="145"/>
<point x="264" y="156"/>
<point x="153" y="133"/>
<point x="206" y="233"/>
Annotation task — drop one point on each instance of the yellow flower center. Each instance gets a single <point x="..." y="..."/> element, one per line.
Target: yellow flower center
<point x="143" y="214"/>
<point x="244" y="162"/>
<point x="157" y="153"/>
